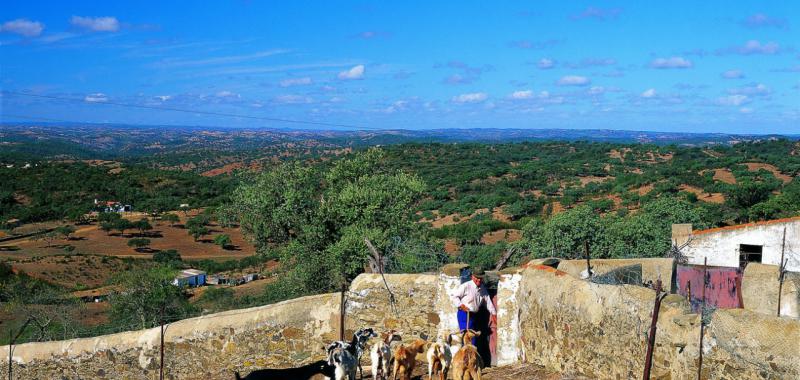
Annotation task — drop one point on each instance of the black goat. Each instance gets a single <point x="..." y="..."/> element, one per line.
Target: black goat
<point x="305" y="372"/>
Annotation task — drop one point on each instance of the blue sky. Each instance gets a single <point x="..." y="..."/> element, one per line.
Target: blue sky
<point x="714" y="66"/>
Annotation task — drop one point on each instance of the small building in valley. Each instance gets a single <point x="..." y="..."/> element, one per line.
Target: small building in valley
<point x="190" y="277"/>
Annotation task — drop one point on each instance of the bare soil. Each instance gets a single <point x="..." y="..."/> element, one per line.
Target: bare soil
<point x="507" y="235"/>
<point x="756" y="166"/>
<point x="703" y="196"/>
<point x="724" y="175"/>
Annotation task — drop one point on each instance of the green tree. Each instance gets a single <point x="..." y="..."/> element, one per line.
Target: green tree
<point x="168" y="256"/>
<point x="65" y="231"/>
<point x="564" y="234"/>
<point x="139" y="243"/>
<point x="123" y="224"/>
<point x="197" y="232"/>
<point x="171" y="218"/>
<point x="324" y="218"/>
<point x="223" y="241"/>
<point x="145" y="296"/>
<point x="142" y="225"/>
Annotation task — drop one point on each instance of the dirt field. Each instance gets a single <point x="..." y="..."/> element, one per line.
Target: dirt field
<point x="97" y="255"/>
<point x="91" y="240"/>
<point x="724" y="175"/>
<point x="756" y="166"/>
<point x="513" y="372"/>
<point x="507" y="235"/>
<point x="703" y="196"/>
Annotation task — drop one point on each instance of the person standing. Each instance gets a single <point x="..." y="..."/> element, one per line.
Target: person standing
<point x="469" y="297"/>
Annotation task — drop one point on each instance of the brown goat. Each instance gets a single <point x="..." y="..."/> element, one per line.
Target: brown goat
<point x="467" y="363"/>
<point x="405" y="359"/>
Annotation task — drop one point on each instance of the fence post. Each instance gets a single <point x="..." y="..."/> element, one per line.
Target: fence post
<point x="651" y="340"/>
<point x="702" y="317"/>
<point x="161" y="361"/>
<point x="781" y="271"/>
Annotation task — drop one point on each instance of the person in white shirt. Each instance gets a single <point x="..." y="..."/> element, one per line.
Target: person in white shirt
<point x="469" y="297"/>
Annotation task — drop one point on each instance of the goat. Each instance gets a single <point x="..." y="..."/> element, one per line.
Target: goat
<point x="305" y="372"/>
<point x="356" y="346"/>
<point x="405" y="359"/>
<point x="345" y="364"/>
<point x="467" y="363"/>
<point x="381" y="354"/>
<point x="439" y="356"/>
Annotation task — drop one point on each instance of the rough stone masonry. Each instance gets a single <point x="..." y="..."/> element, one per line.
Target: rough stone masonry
<point x="546" y="317"/>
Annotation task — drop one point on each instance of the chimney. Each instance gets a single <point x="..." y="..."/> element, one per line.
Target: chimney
<point x="681" y="233"/>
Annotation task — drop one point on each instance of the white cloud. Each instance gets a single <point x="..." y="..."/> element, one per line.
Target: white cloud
<point x="292" y="99"/>
<point x="746" y="110"/>
<point x="163" y="98"/>
<point x="228" y="95"/>
<point x="98" y="97"/>
<point x="596" y="90"/>
<point x="96" y="24"/>
<point x="475" y="97"/>
<point x="733" y="100"/>
<point x="23" y="27"/>
<point x="527" y="94"/>
<point x="671" y="63"/>
<point x="296" y="82"/>
<point x="649" y="93"/>
<point x="760" y="20"/>
<point x="733" y="74"/>
<point x="356" y="72"/>
<point x="573" y="80"/>
<point x="758" y="89"/>
<point x="546" y="63"/>
<point x="752" y="47"/>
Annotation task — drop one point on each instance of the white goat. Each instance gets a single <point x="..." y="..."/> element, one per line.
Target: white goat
<point x="440" y="355"/>
<point x="381" y="354"/>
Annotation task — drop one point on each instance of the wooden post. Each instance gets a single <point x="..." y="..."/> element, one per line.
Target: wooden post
<point x="702" y="316"/>
<point x="781" y="271"/>
<point x="13" y="339"/>
<point x="588" y="259"/>
<point x="651" y="339"/>
<point x="161" y="348"/>
<point x="341" y="313"/>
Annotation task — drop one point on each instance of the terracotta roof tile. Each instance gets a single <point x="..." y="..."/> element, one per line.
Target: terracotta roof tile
<point x="746" y="225"/>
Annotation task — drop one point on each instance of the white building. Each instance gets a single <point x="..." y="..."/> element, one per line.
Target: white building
<point x="735" y="246"/>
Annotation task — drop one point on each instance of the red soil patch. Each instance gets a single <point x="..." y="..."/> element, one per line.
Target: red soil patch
<point x="593" y="179"/>
<point x="644" y="190"/>
<point x="451" y="247"/>
<point x="724" y="175"/>
<point x="756" y="166"/>
<point x="536" y="192"/>
<point x="227" y="169"/>
<point x="554" y="208"/>
<point x="619" y="154"/>
<point x="92" y="240"/>
<point x="498" y="213"/>
<point x="637" y="171"/>
<point x="507" y="235"/>
<point x="454" y="218"/>
<point x="703" y="196"/>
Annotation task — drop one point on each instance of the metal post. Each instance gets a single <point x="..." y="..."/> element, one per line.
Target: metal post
<point x="13" y="339"/>
<point x="651" y="340"/>
<point x="781" y="271"/>
<point x="702" y="316"/>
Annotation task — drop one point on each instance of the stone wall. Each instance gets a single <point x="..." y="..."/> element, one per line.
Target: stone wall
<point x="545" y="316"/>
<point x="600" y="331"/>
<point x="210" y="347"/>
<point x="760" y="290"/>
<point x="414" y="315"/>
<point x="652" y="269"/>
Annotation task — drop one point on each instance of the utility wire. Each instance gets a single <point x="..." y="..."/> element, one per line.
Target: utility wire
<point x="142" y="106"/>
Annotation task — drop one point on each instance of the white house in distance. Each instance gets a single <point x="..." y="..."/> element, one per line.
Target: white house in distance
<point x="734" y="246"/>
<point x="190" y="277"/>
